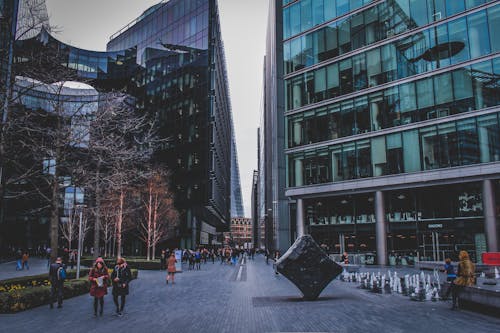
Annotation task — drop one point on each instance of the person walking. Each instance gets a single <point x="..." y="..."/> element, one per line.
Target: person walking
<point x="98" y="277"/>
<point x="121" y="278"/>
<point x="450" y="276"/>
<point x="72" y="258"/>
<point x="24" y="259"/>
<point x="465" y="276"/>
<point x="197" y="258"/>
<point x="163" y="259"/>
<point x="171" y="267"/>
<point x="57" y="275"/>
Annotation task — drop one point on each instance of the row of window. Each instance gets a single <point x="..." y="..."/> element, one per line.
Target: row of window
<point x="384" y="21"/>
<point x="455" y="42"/>
<point x="462" y="201"/>
<point x="306" y="14"/>
<point x="469" y="88"/>
<point x="463" y="142"/>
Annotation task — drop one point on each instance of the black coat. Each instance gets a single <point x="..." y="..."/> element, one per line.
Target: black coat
<point x="125" y="276"/>
<point x="54" y="279"/>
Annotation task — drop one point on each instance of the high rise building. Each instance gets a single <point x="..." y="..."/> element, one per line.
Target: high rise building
<point x="237" y="209"/>
<point x="171" y="61"/>
<point x="189" y="92"/>
<point x="391" y="116"/>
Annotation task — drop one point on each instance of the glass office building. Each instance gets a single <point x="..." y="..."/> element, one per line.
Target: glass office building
<point x="171" y="61"/>
<point x="391" y="113"/>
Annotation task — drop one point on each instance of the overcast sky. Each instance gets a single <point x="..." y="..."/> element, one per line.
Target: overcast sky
<point x="88" y="24"/>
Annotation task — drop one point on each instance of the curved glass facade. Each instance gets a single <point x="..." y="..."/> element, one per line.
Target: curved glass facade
<point x="171" y="60"/>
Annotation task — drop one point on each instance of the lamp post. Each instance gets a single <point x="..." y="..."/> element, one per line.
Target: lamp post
<point x="80" y="208"/>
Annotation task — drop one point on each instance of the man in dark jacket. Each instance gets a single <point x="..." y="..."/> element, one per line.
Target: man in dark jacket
<point x="121" y="277"/>
<point x="56" y="283"/>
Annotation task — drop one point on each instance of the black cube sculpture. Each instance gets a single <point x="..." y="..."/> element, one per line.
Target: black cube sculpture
<point x="307" y="266"/>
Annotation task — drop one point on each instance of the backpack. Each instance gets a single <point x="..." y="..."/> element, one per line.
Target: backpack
<point x="61" y="273"/>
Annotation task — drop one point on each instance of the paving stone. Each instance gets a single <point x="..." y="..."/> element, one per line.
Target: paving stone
<point x="212" y="300"/>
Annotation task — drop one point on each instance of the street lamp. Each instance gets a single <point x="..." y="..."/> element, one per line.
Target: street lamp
<point x="80" y="208"/>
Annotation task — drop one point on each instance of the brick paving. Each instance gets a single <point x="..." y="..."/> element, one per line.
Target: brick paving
<point x="222" y="298"/>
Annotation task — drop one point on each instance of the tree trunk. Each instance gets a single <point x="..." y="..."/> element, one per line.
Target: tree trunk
<point x="54" y="217"/>
<point x="97" y="226"/>
<point x="155" y="217"/>
<point x="119" y="225"/>
<point x="148" y="241"/>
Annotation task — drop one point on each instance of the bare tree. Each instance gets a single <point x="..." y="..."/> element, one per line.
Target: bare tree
<point x="69" y="228"/>
<point x="161" y="217"/>
<point x="121" y="142"/>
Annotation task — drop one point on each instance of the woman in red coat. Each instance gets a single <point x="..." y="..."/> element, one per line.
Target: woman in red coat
<point x="98" y="277"/>
<point x="171" y="268"/>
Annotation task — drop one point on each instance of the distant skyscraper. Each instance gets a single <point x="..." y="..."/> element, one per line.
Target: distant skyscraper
<point x="391" y="108"/>
<point x="237" y="209"/>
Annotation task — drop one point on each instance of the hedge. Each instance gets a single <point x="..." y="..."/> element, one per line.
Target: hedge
<point x="24" y="299"/>
<point x="35" y="280"/>
<point x="139" y="263"/>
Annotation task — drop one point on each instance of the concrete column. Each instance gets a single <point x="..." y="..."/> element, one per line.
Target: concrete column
<point x="490" y="219"/>
<point x="380" y="228"/>
<point x="301" y="224"/>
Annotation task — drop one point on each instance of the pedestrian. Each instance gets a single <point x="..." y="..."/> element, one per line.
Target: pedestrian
<point x="57" y="275"/>
<point x="163" y="259"/>
<point x="72" y="258"/>
<point x="450" y="276"/>
<point x="19" y="261"/>
<point x="98" y="277"/>
<point x="121" y="278"/>
<point x="197" y="259"/>
<point x="465" y="276"/>
<point x="25" y="258"/>
<point x="276" y="258"/>
<point x="345" y="258"/>
<point x="171" y="268"/>
<point x="48" y="252"/>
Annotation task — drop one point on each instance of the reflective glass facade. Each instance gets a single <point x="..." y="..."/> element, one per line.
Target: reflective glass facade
<point x="171" y="60"/>
<point x="380" y="98"/>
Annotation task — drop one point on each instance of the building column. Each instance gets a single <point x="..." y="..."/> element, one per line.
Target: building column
<point x="380" y="228"/>
<point x="301" y="225"/>
<point x="490" y="219"/>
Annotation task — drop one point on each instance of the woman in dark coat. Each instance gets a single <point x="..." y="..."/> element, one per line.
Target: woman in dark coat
<point x="121" y="277"/>
<point x="98" y="277"/>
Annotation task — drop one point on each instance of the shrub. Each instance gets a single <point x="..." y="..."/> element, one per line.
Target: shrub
<point x="30" y="297"/>
<point x="35" y="280"/>
<point x="139" y="263"/>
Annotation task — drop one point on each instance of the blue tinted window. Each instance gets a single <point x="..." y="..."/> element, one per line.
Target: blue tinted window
<point x="342" y="7"/>
<point x="478" y="34"/>
<point x="305" y="14"/>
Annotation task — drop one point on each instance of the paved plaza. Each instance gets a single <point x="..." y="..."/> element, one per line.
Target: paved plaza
<point x="222" y="298"/>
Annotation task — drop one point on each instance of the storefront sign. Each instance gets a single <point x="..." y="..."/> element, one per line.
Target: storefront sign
<point x="435" y="226"/>
<point x="491" y="258"/>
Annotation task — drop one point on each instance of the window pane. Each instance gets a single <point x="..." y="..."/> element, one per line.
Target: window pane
<point x="411" y="151"/>
<point x="458" y="34"/>
<point x="305" y="15"/>
<point x="489" y="138"/>
<point x="425" y="93"/>
<point x="408" y="98"/>
<point x="442" y="91"/>
<point x="494" y="24"/>
<point x="478" y="34"/>
<point x="318" y="12"/>
<point x="330" y="9"/>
